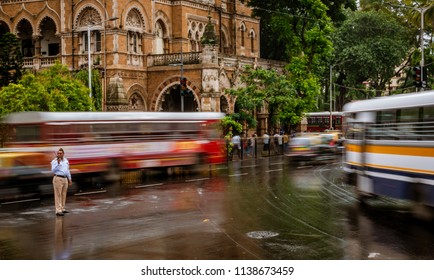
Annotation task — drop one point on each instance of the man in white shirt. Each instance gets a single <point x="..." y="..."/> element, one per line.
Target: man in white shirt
<point x="236" y="146"/>
<point x="266" y="139"/>
<point x="61" y="181"/>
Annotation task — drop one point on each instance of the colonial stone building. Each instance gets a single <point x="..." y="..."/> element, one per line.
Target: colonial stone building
<point x="143" y="47"/>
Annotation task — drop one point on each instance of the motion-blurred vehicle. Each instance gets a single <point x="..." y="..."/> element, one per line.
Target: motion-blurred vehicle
<point x="101" y="146"/>
<point x="335" y="139"/>
<point x="310" y="150"/>
<point x="320" y="121"/>
<point x="19" y="172"/>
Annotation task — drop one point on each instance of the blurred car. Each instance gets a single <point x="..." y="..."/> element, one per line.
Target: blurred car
<point x="310" y="150"/>
<point x="21" y="172"/>
<point x="334" y="139"/>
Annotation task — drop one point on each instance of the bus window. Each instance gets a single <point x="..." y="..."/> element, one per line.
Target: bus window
<point x="409" y="115"/>
<point x="428" y="114"/>
<point x="27" y="133"/>
<point x="428" y="123"/>
<point x="407" y="126"/>
<point x="386" y="117"/>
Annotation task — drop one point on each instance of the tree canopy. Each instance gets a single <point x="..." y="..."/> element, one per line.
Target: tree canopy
<point x="52" y="89"/>
<point x="285" y="96"/>
<point x="300" y="27"/>
<point x="369" y="46"/>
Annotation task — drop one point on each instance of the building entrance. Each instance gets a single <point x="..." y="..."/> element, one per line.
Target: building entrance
<point x="171" y="101"/>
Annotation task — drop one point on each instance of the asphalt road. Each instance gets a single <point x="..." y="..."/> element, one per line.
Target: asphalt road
<point x="247" y="210"/>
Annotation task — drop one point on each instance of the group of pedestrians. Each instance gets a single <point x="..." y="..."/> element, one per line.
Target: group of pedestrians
<point x="280" y="142"/>
<point x="248" y="147"/>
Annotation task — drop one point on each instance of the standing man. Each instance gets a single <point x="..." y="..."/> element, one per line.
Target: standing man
<point x="61" y="180"/>
<point x="266" y="139"/>
<point x="236" y="146"/>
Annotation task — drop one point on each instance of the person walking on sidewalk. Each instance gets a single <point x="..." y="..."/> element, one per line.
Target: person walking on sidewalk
<point x="61" y="181"/>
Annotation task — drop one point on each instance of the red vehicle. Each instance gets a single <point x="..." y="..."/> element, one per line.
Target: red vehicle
<point x="104" y="143"/>
<point x="320" y="121"/>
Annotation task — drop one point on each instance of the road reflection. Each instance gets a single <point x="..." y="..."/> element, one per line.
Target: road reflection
<point x="62" y="243"/>
<point x="249" y="210"/>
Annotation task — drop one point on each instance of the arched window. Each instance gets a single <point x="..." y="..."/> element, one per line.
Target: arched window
<point x="25" y="31"/>
<point x="135" y="26"/>
<point x="252" y="40"/>
<point x="243" y="34"/>
<point x="159" y="38"/>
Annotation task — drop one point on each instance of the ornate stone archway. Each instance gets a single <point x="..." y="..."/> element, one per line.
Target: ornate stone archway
<point x="167" y="97"/>
<point x="169" y="100"/>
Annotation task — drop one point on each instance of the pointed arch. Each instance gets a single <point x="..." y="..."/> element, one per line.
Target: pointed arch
<point x="135" y="20"/>
<point x="165" y="20"/>
<point x="49" y="12"/>
<point x="252" y="36"/>
<point x="88" y="15"/>
<point x="225" y="40"/>
<point x="24" y="31"/>
<point x="224" y="81"/>
<point x="243" y="30"/>
<point x="224" y="104"/>
<point x="4" y="28"/>
<point x="48" y="37"/>
<point x="135" y="26"/>
<point x="161" y="38"/>
<point x="136" y="102"/>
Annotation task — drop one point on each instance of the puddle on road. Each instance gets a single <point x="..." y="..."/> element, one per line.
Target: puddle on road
<point x="261" y="234"/>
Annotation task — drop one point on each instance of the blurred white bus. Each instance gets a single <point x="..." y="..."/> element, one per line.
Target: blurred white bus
<point x="390" y="148"/>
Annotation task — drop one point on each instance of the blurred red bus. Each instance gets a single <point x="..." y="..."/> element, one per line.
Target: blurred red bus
<point x="105" y="143"/>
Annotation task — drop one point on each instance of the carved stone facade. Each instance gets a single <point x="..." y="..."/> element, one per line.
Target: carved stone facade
<point x="142" y="48"/>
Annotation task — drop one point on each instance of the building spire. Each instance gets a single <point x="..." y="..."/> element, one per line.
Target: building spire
<point x="209" y="37"/>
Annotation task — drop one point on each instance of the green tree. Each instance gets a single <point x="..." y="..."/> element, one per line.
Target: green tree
<point x="408" y="12"/>
<point x="300" y="27"/>
<point x="286" y="96"/>
<point x="83" y="75"/>
<point x="11" y="59"/>
<point x="52" y="89"/>
<point x="372" y="45"/>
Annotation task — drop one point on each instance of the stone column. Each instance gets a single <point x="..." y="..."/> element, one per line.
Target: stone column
<point x="210" y="80"/>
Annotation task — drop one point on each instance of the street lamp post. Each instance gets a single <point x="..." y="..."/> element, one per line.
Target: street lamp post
<point x="182" y="77"/>
<point x="89" y="62"/>
<point x="422" y="11"/>
<point x="331" y="95"/>
<point x="89" y="65"/>
<point x="331" y="91"/>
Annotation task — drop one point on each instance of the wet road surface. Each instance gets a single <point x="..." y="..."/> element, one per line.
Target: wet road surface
<point x="261" y="209"/>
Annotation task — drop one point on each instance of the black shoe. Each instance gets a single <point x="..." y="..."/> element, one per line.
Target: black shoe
<point x="65" y="211"/>
<point x="60" y="214"/>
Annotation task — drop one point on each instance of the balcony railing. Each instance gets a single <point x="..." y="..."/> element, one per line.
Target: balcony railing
<point x="40" y="62"/>
<point x="167" y="59"/>
<point x="161" y="60"/>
